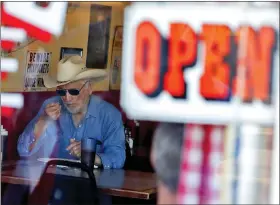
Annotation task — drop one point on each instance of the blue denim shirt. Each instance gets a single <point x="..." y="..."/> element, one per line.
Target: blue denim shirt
<point x="102" y="122"/>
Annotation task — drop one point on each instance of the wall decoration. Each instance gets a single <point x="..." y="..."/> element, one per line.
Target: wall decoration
<point x="115" y="72"/>
<point x="98" y="36"/>
<point x="118" y="37"/>
<point x="64" y="51"/>
<point x="38" y="66"/>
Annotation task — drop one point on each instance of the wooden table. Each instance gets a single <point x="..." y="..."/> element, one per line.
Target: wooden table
<point x="114" y="182"/>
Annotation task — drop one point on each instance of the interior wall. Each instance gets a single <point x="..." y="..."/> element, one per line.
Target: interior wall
<point x="75" y="35"/>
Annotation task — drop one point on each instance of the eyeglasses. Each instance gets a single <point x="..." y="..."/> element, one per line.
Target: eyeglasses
<point x="73" y="91"/>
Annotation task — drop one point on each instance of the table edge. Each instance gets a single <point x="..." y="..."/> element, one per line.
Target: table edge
<point x="149" y="193"/>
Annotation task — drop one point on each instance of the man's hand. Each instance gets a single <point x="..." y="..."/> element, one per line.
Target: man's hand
<point x="74" y="148"/>
<point x="53" y="110"/>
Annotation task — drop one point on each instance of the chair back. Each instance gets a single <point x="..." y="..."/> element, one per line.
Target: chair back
<point x="58" y="189"/>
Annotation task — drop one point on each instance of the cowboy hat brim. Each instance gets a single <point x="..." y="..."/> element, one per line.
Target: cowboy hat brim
<point x="94" y="75"/>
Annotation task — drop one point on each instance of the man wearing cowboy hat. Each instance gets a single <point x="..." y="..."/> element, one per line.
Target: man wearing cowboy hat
<point x="75" y="114"/>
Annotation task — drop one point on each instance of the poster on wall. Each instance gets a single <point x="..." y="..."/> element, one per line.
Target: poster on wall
<point x="115" y="69"/>
<point x="115" y="73"/>
<point x="37" y="66"/>
<point x="98" y="36"/>
<point x="118" y="37"/>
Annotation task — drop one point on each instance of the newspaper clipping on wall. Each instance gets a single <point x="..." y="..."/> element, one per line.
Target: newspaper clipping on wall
<point x="37" y="66"/>
<point x="115" y="74"/>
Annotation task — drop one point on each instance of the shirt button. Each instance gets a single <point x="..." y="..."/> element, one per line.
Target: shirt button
<point x="80" y="126"/>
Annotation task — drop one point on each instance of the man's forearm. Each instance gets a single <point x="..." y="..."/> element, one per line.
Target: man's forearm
<point x="29" y="144"/>
<point x="113" y="159"/>
<point x="39" y="128"/>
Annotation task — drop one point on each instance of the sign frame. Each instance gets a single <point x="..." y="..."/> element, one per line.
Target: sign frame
<point x="164" y="107"/>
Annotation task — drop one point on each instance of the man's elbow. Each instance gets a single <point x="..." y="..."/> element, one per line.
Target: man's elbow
<point x="21" y="151"/>
<point x="121" y="161"/>
<point x="21" y="147"/>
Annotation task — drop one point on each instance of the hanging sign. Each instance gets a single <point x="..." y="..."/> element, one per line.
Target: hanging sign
<point x="192" y="63"/>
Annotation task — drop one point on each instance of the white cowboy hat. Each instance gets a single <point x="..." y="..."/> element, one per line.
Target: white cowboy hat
<point x="70" y="69"/>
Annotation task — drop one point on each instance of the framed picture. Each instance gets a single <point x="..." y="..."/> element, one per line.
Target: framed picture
<point x="115" y="69"/>
<point x="64" y="51"/>
<point x="118" y="37"/>
<point x="98" y="36"/>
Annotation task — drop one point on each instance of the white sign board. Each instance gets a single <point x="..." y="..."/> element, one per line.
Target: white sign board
<point x="180" y="63"/>
<point x="37" y="66"/>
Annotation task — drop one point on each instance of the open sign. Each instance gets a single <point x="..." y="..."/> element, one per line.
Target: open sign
<point x="187" y="63"/>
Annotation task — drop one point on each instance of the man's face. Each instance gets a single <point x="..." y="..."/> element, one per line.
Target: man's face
<point x="76" y="103"/>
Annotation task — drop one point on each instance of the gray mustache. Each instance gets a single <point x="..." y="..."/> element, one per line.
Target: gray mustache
<point x="68" y="104"/>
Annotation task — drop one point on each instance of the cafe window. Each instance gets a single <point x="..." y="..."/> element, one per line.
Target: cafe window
<point x="133" y="55"/>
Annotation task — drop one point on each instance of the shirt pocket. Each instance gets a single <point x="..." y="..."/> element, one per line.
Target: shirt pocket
<point x="93" y="129"/>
